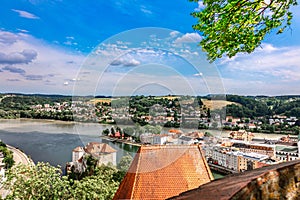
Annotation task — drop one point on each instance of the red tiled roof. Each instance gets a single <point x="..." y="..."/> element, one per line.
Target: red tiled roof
<point x="117" y="134"/>
<point x="78" y="149"/>
<point x="175" y="131"/>
<point x="162" y="171"/>
<point x="96" y="148"/>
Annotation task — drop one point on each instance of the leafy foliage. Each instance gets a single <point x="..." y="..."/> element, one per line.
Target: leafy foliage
<point x="37" y="182"/>
<point x="16" y="106"/>
<point x="288" y="108"/>
<point x="249" y="107"/>
<point x="44" y="181"/>
<point x="233" y="26"/>
<point x="8" y="159"/>
<point x="124" y="163"/>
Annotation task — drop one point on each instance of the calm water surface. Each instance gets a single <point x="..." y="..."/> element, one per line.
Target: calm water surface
<point x="53" y="142"/>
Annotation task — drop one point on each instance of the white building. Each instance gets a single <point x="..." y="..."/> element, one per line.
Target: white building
<point x="77" y="153"/>
<point x="236" y="160"/>
<point x="160" y="139"/>
<point x="102" y="152"/>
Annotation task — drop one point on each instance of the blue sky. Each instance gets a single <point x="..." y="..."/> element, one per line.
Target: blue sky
<point x="80" y="47"/>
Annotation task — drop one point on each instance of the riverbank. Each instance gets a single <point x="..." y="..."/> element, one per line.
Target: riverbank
<point x="20" y="157"/>
<point x="17" y="123"/>
<point x="122" y="141"/>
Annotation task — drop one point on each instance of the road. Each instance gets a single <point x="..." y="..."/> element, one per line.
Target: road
<point x="20" y="157"/>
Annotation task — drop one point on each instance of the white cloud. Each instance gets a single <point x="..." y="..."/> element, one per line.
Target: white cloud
<point x="129" y="62"/>
<point x="44" y="73"/>
<point x="140" y="83"/>
<point x="70" y="38"/>
<point x="268" y="70"/>
<point x="266" y="47"/>
<point x="189" y="38"/>
<point x="200" y="7"/>
<point x="24" y="57"/>
<point x="23" y="30"/>
<point x="174" y="34"/>
<point x="25" y="14"/>
<point x="258" y="87"/>
<point x="198" y="74"/>
<point x="7" y="37"/>
<point x="132" y="62"/>
<point x="145" y="10"/>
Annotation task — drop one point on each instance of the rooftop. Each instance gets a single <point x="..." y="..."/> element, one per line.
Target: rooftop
<point x="162" y="171"/>
<point x="98" y="148"/>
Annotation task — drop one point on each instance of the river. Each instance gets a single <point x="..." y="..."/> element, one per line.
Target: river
<point x="53" y="141"/>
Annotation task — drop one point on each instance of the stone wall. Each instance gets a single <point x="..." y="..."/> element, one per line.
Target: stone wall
<point x="282" y="183"/>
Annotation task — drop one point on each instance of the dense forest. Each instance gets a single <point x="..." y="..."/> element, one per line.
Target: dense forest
<point x="262" y="106"/>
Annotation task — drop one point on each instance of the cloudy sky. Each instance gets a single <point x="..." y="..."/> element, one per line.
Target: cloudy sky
<point x="105" y="48"/>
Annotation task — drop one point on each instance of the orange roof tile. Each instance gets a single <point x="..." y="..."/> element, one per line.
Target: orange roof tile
<point x="162" y="171"/>
<point x="78" y="149"/>
<point x="96" y="148"/>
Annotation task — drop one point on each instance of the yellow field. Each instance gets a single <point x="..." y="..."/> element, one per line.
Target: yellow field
<point x="216" y="104"/>
<point x="168" y="97"/>
<point x="100" y="100"/>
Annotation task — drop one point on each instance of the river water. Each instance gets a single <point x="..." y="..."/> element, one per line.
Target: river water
<point x="53" y="141"/>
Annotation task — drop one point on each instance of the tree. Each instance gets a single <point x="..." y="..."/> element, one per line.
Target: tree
<point x="105" y="132"/>
<point x="124" y="163"/>
<point x="230" y="27"/>
<point x="36" y="182"/>
<point x="99" y="186"/>
<point x="44" y="181"/>
<point x="112" y="131"/>
<point x="128" y="131"/>
<point x="8" y="159"/>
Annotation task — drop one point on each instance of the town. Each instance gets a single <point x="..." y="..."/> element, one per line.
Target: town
<point x="239" y="134"/>
<point x="239" y="151"/>
<point x="230" y="112"/>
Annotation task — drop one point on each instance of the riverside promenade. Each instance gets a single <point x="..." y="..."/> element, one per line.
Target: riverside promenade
<point x="20" y="157"/>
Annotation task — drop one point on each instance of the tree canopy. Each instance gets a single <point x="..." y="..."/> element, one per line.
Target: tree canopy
<point x="44" y="181"/>
<point x="232" y="26"/>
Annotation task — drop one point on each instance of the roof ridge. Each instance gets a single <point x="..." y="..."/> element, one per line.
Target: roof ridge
<point x="136" y="173"/>
<point x="211" y="177"/>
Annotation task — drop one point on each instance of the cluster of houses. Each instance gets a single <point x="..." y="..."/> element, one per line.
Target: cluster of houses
<point x="276" y="120"/>
<point x="238" y="156"/>
<point x="56" y="107"/>
<point x="158" y="115"/>
<point x="281" y="119"/>
<point x="173" y="137"/>
<point x="239" y="152"/>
